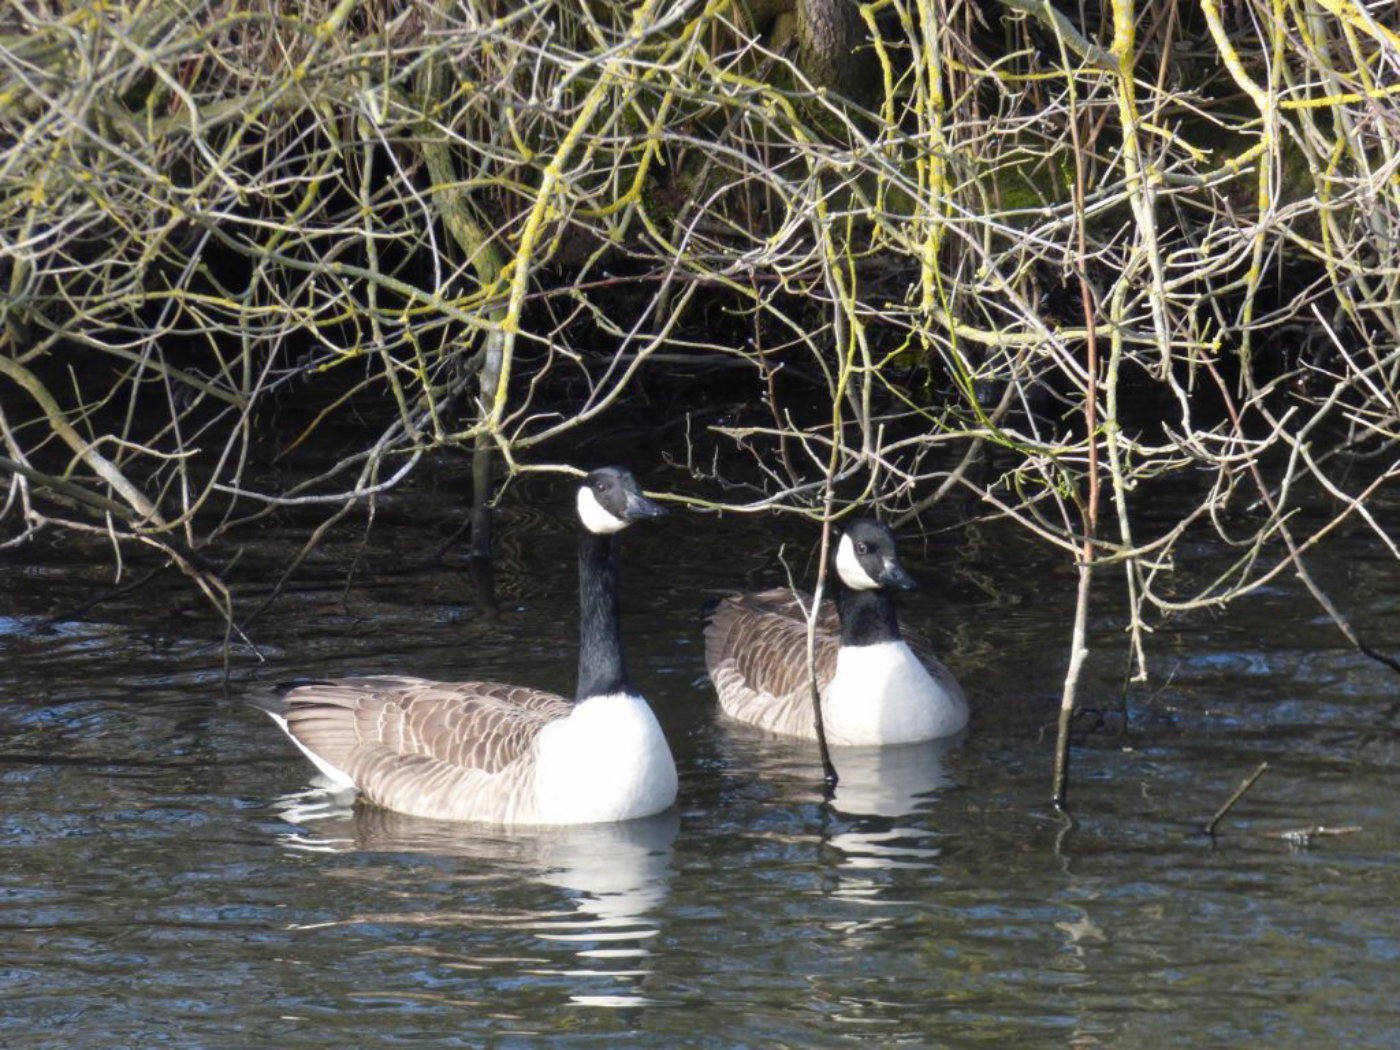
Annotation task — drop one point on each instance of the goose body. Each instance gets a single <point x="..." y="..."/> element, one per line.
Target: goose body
<point x="498" y="753"/>
<point x="876" y="686"/>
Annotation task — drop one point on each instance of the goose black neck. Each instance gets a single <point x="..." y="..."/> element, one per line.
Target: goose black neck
<point x="867" y="617"/>
<point x="601" y="668"/>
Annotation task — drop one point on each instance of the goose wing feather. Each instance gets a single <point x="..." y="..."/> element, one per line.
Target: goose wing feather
<point x="459" y="750"/>
<point x="756" y="653"/>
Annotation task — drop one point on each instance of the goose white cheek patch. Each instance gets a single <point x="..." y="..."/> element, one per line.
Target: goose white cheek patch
<point x="852" y="575"/>
<point x="595" y="517"/>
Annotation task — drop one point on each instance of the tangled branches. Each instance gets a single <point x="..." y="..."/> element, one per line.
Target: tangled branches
<point x="1048" y="266"/>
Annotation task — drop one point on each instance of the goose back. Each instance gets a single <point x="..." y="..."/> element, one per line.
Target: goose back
<point x="458" y="750"/>
<point x="756" y="654"/>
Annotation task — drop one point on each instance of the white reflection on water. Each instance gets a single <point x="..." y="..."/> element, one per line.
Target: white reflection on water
<point x="890" y="782"/>
<point x="884" y="792"/>
<point x="614" y="876"/>
<point x="881" y="801"/>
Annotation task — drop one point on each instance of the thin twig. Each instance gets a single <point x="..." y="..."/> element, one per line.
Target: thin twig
<point x="1078" y="641"/>
<point x="829" y="775"/>
<point x="1235" y="796"/>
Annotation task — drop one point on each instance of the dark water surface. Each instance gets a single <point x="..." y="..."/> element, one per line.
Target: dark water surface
<point x="169" y="877"/>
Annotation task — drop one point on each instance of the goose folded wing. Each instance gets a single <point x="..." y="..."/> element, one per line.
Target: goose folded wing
<point x="480" y="726"/>
<point x="762" y="640"/>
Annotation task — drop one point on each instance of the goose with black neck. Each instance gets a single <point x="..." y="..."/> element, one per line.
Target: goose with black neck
<point x="501" y="753"/>
<point x="876" y="687"/>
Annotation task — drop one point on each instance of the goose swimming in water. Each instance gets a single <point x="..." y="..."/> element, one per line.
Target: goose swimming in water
<point x="506" y="754"/>
<point x="876" y="688"/>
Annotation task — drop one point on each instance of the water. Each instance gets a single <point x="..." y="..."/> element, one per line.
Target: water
<point x="169" y="876"/>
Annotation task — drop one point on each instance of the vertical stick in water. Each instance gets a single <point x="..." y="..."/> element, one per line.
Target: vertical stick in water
<point x="828" y="769"/>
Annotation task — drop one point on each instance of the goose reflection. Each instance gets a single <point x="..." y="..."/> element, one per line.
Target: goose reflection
<point x="613" y="876"/>
<point x="884" y="793"/>
<point x="890" y="782"/>
<point x="879" y="811"/>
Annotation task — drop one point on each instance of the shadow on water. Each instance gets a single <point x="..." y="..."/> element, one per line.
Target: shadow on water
<point x="168" y="879"/>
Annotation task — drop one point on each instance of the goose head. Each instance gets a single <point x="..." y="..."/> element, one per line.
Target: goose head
<point x="609" y="499"/>
<point x="866" y="559"/>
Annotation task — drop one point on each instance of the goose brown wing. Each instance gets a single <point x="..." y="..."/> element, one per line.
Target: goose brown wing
<point x="444" y="749"/>
<point x="756" y="653"/>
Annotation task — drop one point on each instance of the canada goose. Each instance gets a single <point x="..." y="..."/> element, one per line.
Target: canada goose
<point x="506" y="754"/>
<point x="875" y="687"/>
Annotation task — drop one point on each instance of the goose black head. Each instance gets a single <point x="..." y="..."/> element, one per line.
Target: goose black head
<point x="609" y="499"/>
<point x="866" y="558"/>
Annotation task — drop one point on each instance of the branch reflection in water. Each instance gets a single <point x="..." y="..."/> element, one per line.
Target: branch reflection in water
<point x="613" y="875"/>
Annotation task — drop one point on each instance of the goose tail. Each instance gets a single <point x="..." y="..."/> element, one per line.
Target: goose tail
<point x="710" y="604"/>
<point x="273" y="702"/>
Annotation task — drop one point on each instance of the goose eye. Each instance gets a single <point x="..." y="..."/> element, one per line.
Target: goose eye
<point x="862" y="548"/>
